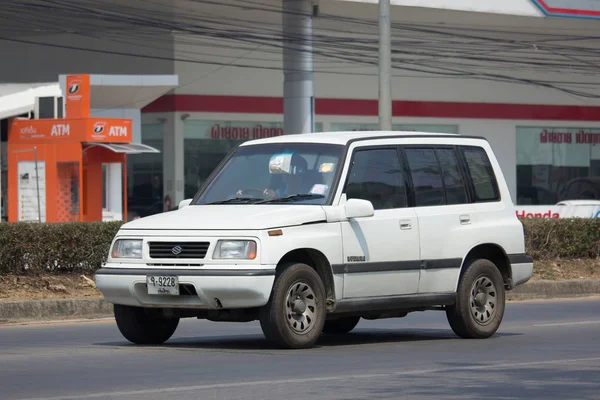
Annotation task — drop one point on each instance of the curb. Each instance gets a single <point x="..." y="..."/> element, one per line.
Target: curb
<point x="43" y="310"/>
<point x="534" y="290"/>
<point x="81" y="309"/>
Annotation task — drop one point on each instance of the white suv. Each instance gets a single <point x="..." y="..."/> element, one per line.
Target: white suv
<point x="309" y="233"/>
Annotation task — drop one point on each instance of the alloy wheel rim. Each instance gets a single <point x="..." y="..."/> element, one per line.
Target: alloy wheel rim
<point x="300" y="307"/>
<point x="483" y="300"/>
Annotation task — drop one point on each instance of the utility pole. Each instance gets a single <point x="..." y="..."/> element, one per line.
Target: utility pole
<point x="298" y="90"/>
<point x="385" y="67"/>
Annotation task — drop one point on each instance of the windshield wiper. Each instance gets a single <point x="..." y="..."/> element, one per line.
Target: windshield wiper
<point x="293" y="197"/>
<point x="240" y="199"/>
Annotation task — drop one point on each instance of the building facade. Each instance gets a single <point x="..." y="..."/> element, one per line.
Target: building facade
<point x="504" y="71"/>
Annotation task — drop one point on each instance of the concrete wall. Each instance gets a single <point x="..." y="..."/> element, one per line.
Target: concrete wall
<point x="34" y="47"/>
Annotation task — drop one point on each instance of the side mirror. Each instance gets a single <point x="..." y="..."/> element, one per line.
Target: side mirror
<point x="184" y="203"/>
<point x="357" y="208"/>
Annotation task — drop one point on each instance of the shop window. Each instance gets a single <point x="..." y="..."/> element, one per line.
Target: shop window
<point x="145" y="176"/>
<point x="555" y="164"/>
<point x="207" y="143"/>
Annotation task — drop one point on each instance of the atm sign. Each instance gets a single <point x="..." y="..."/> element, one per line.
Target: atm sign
<point x="61" y="130"/>
<point x="110" y="130"/>
<point x="119" y="131"/>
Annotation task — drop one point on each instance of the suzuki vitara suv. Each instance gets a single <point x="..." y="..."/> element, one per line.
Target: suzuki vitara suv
<point x="310" y="233"/>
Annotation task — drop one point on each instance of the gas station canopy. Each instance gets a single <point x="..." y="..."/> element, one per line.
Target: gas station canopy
<point x="125" y="91"/>
<point x="17" y="99"/>
<point x="107" y="92"/>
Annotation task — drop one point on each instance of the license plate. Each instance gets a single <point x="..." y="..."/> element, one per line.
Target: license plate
<point x="163" y="285"/>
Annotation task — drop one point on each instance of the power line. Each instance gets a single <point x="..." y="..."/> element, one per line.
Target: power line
<point x="445" y="52"/>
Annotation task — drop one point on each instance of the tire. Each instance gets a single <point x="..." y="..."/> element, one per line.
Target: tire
<point x="295" y="324"/>
<point x="340" y="326"/>
<point x="141" y="326"/>
<point x="478" y="315"/>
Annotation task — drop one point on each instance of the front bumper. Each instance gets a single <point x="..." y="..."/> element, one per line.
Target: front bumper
<point x="199" y="288"/>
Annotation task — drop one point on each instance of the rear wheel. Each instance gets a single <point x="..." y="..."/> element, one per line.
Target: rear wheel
<point x="340" y="326"/>
<point x="295" y="314"/>
<point x="144" y="326"/>
<point x="480" y="301"/>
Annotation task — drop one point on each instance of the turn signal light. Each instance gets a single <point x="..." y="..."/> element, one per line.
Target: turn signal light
<point x="252" y="251"/>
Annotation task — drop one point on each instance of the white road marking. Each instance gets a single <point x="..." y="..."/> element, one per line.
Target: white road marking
<point x="505" y="365"/>
<point x="568" y="323"/>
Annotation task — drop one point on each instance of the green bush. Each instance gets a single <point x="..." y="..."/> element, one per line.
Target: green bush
<point x="31" y="248"/>
<point x="565" y="238"/>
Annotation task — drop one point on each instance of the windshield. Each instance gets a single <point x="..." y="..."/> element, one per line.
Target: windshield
<point x="295" y="173"/>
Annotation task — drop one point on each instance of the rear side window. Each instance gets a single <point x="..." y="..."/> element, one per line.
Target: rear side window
<point x="376" y="175"/>
<point x="482" y="174"/>
<point x="456" y="191"/>
<point x="426" y="177"/>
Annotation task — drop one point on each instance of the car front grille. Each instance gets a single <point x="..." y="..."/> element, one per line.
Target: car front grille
<point x="178" y="250"/>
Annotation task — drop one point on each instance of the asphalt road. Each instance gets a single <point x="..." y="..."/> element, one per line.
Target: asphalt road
<point x="544" y="350"/>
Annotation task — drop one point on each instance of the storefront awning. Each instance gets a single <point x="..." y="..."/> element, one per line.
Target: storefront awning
<point x="127" y="148"/>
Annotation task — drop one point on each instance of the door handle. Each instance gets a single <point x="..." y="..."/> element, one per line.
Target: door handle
<point x="465" y="219"/>
<point x="405" y="225"/>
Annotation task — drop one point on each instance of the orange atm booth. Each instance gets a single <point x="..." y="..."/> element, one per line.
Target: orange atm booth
<point x="57" y="167"/>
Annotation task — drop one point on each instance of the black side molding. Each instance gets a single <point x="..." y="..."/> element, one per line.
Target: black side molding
<point x="186" y="272"/>
<point x="519" y="259"/>
<point x="387" y="266"/>
<point x="444" y="263"/>
<point x="382" y="266"/>
<point x="368" y="304"/>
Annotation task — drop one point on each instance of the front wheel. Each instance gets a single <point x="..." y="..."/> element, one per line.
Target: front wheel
<point x="295" y="314"/>
<point x="142" y="326"/>
<point x="480" y="301"/>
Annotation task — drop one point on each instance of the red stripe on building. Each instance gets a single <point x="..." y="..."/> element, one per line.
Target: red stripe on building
<point x="566" y="11"/>
<point x="400" y="108"/>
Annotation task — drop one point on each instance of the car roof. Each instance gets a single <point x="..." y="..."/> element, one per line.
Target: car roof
<point x="343" y="138"/>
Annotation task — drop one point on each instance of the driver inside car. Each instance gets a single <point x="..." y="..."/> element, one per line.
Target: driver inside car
<point x="290" y="179"/>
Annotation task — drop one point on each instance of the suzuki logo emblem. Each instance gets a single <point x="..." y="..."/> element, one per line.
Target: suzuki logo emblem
<point x="176" y="250"/>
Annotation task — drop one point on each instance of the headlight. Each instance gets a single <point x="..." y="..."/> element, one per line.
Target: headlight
<point x="235" y="249"/>
<point x="127" y="248"/>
